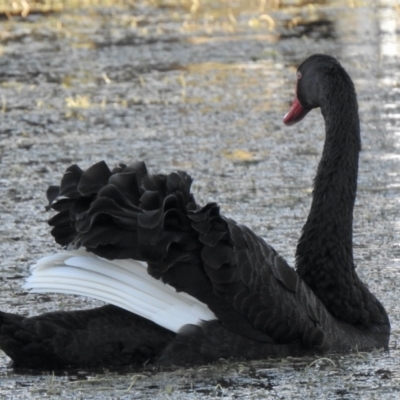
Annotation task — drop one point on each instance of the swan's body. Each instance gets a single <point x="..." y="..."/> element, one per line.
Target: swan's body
<point x="235" y="296"/>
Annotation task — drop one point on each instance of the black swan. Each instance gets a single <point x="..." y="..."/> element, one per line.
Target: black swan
<point x="132" y="238"/>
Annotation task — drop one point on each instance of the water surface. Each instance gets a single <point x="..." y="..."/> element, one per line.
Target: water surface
<point x="200" y="86"/>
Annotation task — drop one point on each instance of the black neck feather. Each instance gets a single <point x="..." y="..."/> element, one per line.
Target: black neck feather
<point x="324" y="257"/>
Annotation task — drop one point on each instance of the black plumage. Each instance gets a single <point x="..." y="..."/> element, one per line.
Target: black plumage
<point x="262" y="306"/>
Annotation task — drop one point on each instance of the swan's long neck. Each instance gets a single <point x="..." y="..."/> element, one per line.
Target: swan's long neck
<point x="324" y="257"/>
<point x="329" y="227"/>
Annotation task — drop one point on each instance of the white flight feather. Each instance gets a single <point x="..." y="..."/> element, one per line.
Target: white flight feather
<point x="124" y="283"/>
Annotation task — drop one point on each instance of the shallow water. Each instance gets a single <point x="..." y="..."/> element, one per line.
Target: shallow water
<point x="200" y="87"/>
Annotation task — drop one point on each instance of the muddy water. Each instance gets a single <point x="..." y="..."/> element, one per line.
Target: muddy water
<point x="201" y="88"/>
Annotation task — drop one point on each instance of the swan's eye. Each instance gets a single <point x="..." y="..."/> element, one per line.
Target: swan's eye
<point x="298" y="75"/>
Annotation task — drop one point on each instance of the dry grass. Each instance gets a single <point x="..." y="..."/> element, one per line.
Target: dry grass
<point x="26" y="7"/>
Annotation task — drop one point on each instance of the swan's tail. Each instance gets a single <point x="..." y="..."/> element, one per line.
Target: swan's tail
<point x="124" y="283"/>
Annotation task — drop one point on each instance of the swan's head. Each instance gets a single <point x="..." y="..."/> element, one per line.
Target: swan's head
<point x="314" y="75"/>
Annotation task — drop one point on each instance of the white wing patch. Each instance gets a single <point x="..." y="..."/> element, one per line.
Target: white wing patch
<point x="123" y="283"/>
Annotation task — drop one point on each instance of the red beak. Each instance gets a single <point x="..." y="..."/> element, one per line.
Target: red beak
<point x="296" y="113"/>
